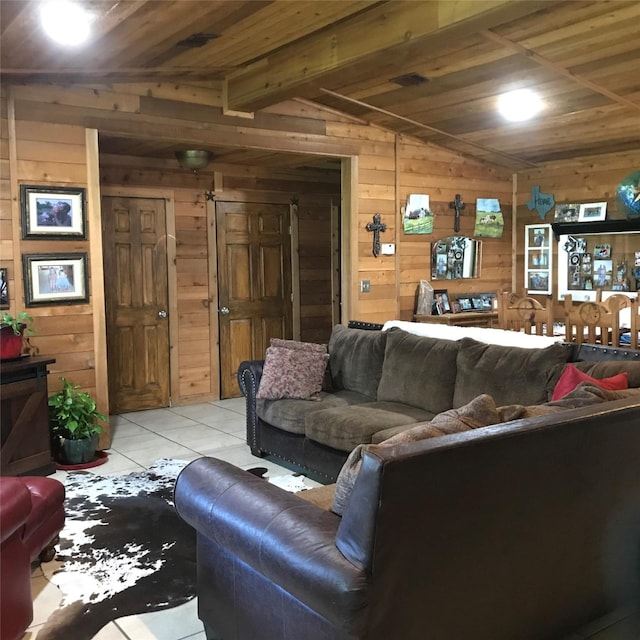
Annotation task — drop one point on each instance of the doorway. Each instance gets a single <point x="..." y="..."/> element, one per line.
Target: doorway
<point x="136" y="301"/>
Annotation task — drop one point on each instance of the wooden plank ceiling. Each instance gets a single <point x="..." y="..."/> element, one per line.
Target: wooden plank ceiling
<point x="583" y="57"/>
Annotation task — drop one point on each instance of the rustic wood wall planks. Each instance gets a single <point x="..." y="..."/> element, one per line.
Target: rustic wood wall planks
<point x="50" y="125"/>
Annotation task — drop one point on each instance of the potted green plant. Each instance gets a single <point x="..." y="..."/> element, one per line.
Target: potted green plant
<point x="73" y="417"/>
<point x="12" y="331"/>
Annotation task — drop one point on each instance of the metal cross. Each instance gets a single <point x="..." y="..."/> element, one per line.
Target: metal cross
<point x="376" y="226"/>
<point x="458" y="205"/>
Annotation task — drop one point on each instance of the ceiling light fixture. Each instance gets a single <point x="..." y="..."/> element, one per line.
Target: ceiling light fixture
<point x="65" y="22"/>
<point x="519" y="105"/>
<point x="193" y="159"/>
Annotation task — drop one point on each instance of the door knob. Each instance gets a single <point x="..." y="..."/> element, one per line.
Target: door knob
<point x="224" y="311"/>
<point x="162" y="313"/>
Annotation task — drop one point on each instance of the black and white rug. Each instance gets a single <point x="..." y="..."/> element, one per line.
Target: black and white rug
<point x="124" y="550"/>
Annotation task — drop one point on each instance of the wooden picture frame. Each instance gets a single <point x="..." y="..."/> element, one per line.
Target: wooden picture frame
<point x="53" y="212"/>
<point x="441" y="302"/>
<point x="57" y="278"/>
<point x="592" y="212"/>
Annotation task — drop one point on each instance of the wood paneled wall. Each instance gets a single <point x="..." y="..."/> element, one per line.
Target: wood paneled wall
<point x="388" y="168"/>
<point x="196" y="303"/>
<point x="429" y="170"/>
<point x="588" y="179"/>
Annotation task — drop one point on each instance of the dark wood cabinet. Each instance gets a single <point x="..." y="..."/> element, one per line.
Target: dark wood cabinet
<point x="25" y="442"/>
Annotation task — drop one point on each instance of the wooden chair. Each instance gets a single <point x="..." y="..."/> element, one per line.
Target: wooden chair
<point x="594" y="322"/>
<point x="521" y="313"/>
<point x="635" y="325"/>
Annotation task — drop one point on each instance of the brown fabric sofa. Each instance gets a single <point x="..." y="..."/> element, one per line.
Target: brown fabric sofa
<point x="383" y="382"/>
<point x="526" y="530"/>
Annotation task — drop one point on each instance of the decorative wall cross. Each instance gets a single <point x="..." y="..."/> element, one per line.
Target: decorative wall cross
<point x="376" y="226"/>
<point x="458" y="205"/>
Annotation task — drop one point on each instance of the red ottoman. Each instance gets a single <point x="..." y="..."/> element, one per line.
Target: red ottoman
<point x="31" y="516"/>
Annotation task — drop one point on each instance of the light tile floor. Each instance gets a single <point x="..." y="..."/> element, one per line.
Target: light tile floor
<point x="138" y="439"/>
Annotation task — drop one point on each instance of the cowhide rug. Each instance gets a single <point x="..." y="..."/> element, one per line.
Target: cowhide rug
<point x="123" y="550"/>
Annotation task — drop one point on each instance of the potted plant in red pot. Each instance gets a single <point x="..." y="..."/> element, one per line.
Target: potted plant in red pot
<point x="73" y="417"/>
<point x="12" y="331"/>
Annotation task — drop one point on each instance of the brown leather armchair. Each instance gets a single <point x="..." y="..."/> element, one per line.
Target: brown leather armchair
<point x="31" y="517"/>
<point x="504" y="532"/>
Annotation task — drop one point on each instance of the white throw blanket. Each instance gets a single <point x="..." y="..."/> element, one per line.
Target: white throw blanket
<point x="488" y="336"/>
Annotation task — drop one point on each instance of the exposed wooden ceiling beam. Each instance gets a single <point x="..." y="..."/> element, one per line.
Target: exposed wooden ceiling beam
<point x="559" y="69"/>
<point x="389" y="29"/>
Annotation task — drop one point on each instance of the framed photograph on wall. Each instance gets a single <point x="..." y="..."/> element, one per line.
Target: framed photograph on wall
<point x="53" y="212"/>
<point x="55" y="279"/>
<point x="592" y="212"/>
<point x="441" y="303"/>
<point x="4" y="288"/>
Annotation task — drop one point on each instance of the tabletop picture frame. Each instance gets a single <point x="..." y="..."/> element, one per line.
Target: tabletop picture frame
<point x="441" y="302"/>
<point x="53" y="212"/>
<point x="57" y="278"/>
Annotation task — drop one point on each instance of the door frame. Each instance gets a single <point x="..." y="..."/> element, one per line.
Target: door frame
<point x="168" y="196"/>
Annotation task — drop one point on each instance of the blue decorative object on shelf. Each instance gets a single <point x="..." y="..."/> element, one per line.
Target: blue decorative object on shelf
<point x="629" y="194"/>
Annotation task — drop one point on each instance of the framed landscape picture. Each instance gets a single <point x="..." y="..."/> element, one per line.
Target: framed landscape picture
<point x="57" y="212"/>
<point x="55" y="279"/>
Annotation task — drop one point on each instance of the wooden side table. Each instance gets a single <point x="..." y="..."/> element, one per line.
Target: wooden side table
<point x="25" y="444"/>
<point x="464" y="319"/>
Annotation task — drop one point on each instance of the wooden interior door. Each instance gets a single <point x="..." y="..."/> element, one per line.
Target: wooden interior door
<point x="254" y="283"/>
<point x="135" y="275"/>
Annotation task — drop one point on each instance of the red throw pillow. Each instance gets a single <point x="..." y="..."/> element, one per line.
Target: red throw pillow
<point x="572" y="376"/>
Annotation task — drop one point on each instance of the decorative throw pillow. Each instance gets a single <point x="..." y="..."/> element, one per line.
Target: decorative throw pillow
<point x="571" y="377"/>
<point x="292" y="370"/>
<point x="480" y="412"/>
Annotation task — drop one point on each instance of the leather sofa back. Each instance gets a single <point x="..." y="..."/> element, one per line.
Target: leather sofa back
<point x="490" y="532"/>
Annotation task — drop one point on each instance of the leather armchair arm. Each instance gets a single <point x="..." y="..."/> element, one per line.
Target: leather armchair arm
<point x="285" y="538"/>
<point x="16" y="506"/>
<point x="249" y="374"/>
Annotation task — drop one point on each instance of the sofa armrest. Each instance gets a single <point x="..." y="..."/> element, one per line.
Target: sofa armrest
<point x="15" y="501"/>
<point x="278" y="534"/>
<point x="249" y="374"/>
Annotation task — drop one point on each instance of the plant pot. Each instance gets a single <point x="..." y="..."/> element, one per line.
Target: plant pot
<point x="77" y="451"/>
<point x="10" y="344"/>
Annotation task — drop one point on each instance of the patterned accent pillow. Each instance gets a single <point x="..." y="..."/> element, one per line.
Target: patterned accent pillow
<point x="292" y="370"/>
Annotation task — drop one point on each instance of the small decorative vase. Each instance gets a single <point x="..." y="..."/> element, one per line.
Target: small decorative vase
<point x="78" y="451"/>
<point x="10" y="344"/>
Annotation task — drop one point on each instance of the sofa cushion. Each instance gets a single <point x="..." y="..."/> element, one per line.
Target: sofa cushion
<point x="345" y="427"/>
<point x="355" y="359"/>
<point x="418" y="371"/>
<point x="292" y="370"/>
<point x="509" y="374"/>
<point x="289" y="414"/>
<point x="480" y="412"/>
<point x="571" y="377"/>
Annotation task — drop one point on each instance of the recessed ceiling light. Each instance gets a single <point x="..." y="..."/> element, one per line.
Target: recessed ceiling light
<point x="65" y="22"/>
<point x="519" y="105"/>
